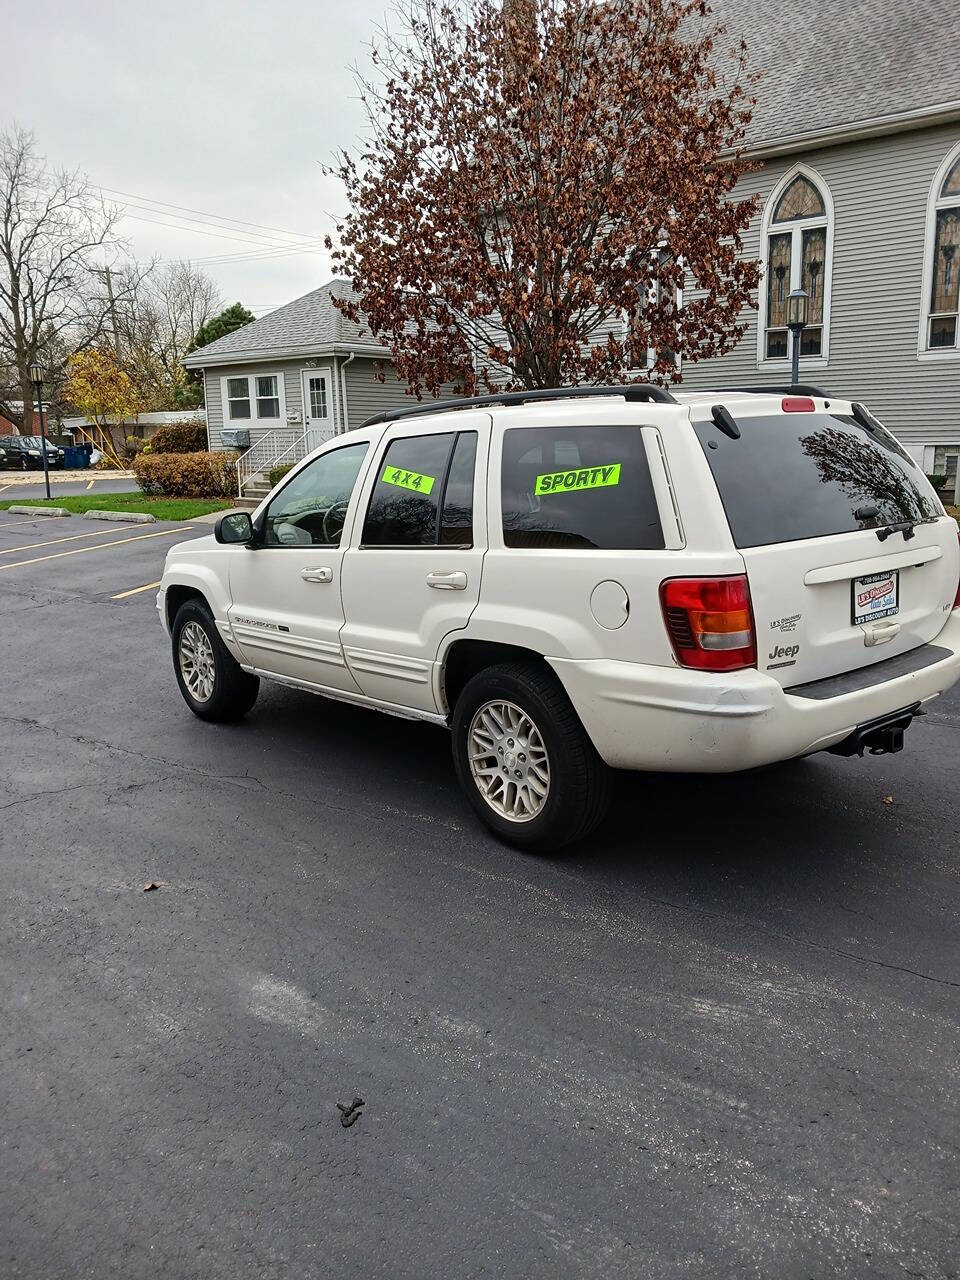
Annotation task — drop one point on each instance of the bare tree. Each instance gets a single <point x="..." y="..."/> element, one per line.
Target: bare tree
<point x="162" y="309"/>
<point x="54" y="230"/>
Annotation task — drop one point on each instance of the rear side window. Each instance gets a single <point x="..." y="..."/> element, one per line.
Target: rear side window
<point x="569" y="487"/>
<point x="808" y="475"/>
<point x="424" y="493"/>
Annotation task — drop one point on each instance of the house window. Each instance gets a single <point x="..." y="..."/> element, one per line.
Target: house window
<point x="943" y="226"/>
<point x="797" y="234"/>
<point x="253" y="398"/>
<point x="268" y="397"/>
<point x="945" y="461"/>
<point x="238" y="398"/>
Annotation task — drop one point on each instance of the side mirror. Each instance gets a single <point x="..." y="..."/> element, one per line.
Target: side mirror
<point x="236" y="526"/>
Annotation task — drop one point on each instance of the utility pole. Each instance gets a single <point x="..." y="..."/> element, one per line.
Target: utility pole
<point x="113" y="311"/>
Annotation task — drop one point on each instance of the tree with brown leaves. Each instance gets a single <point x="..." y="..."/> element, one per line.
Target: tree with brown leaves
<point x="540" y="182"/>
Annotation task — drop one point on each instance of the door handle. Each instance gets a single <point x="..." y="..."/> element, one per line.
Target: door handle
<point x="447" y="581"/>
<point x="317" y="575"/>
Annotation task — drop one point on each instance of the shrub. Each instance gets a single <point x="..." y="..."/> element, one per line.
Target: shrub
<point x="276" y="474"/>
<point x="132" y="445"/>
<point x="938" y="481"/>
<point x="186" y="475"/>
<point x="188" y="436"/>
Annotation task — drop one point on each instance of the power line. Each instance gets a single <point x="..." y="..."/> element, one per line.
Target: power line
<point x="255" y="237"/>
<point x="219" y="217"/>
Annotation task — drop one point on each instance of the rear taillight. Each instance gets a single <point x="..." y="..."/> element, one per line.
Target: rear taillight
<point x="956" y="603"/>
<point x="710" y="622"/>
<point x="797" y="404"/>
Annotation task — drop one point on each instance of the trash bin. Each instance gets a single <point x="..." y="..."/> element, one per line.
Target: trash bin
<point x="75" y="457"/>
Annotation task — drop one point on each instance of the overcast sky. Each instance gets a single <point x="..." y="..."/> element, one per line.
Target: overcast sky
<point x="228" y="109"/>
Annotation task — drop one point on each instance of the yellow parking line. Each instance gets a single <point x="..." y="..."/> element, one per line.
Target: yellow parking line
<point x="135" y="591"/>
<point x="102" y="546"/>
<point x="52" y="542"/>
<point x="89" y="484"/>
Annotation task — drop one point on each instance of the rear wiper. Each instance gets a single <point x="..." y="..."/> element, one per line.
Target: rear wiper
<point x="905" y="527"/>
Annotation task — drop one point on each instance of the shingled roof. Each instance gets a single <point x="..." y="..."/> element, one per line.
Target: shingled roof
<point x="308" y="326"/>
<point x="832" y="64"/>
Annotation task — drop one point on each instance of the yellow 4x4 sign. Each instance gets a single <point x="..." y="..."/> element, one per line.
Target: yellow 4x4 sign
<point x="404" y="479"/>
<point x="584" y="478"/>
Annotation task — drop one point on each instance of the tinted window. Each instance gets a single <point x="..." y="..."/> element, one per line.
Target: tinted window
<point x="311" y="509"/>
<point x="808" y="475"/>
<point x="456" y="522"/>
<point x="406" y="497"/>
<point x="578" y="487"/>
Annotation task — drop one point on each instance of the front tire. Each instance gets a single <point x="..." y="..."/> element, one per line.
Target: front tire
<point x="213" y="684"/>
<point x="525" y="761"/>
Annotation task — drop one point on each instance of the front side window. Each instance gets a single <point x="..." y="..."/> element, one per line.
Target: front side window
<point x="578" y="487"/>
<point x="312" y="507"/>
<point x="423" y="496"/>
<point x="796" y="258"/>
<point x="944" y="305"/>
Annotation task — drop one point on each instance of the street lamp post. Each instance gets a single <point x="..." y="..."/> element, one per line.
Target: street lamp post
<point x="796" y="323"/>
<point x="36" y="377"/>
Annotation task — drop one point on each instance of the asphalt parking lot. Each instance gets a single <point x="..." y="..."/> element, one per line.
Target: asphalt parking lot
<point x="721" y="1040"/>
<point x="16" y="484"/>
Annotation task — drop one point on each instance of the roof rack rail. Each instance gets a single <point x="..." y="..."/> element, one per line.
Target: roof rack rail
<point x="779" y="389"/>
<point x="637" y="392"/>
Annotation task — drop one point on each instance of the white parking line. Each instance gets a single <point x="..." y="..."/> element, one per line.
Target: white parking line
<point x="135" y="591"/>
<point x="52" y="542"/>
<point x="102" y="546"/>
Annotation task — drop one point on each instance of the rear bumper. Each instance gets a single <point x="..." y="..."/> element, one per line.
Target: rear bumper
<point x="668" y="719"/>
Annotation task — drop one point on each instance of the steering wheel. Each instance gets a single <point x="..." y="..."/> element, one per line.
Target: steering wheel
<point x="333" y="521"/>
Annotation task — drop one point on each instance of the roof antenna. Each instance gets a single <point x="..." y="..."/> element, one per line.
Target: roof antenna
<point x="723" y="420"/>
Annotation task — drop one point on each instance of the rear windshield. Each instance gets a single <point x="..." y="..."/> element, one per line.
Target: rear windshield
<point x="808" y="475"/>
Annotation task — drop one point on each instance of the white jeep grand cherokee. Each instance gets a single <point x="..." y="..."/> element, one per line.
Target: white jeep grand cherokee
<point x="581" y="579"/>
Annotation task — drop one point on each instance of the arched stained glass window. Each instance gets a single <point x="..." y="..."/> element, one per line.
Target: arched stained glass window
<point x="945" y="274"/>
<point x="796" y="258"/>
<point x="800" y="200"/>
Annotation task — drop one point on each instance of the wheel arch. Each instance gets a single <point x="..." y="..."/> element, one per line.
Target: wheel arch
<point x="464" y="658"/>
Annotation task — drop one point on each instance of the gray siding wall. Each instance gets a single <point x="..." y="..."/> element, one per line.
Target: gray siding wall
<point x="292" y="389"/>
<point x="366" y="395"/>
<point x="880" y="189"/>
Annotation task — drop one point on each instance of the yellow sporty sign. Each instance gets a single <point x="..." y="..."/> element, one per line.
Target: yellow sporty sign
<point x="408" y="479"/>
<point x="584" y="478"/>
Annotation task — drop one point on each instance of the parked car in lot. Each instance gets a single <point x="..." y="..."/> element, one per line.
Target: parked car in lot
<point x="586" y="579"/>
<point x="25" y="452"/>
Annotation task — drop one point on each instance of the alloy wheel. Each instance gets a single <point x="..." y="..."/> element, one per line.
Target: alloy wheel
<point x="508" y="761"/>
<point x="197" y="662"/>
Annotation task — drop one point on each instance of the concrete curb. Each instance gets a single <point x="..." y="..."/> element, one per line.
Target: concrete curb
<point x="38" y="511"/>
<point x="127" y="517"/>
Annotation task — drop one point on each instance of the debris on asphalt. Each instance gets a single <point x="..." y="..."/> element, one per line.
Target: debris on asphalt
<point x="150" y="885"/>
<point x="888" y="799"/>
<point x="349" y="1115"/>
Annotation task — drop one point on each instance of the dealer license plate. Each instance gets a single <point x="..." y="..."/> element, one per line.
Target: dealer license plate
<point x="876" y="595"/>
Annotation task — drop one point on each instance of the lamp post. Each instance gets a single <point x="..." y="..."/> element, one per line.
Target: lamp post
<point x="36" y="377"/>
<point x="796" y="323"/>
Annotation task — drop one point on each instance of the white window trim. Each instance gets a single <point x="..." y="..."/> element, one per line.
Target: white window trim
<point x="651" y="297"/>
<point x="254" y="419"/>
<point x="934" y="203"/>
<point x="768" y="228"/>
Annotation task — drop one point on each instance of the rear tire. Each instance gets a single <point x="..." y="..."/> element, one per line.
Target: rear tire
<point x="538" y="784"/>
<point x="213" y="684"/>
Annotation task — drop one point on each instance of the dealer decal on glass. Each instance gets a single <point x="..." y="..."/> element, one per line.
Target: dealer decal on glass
<point x="582" y="478"/>
<point x="403" y="479"/>
<point x="876" y="595"/>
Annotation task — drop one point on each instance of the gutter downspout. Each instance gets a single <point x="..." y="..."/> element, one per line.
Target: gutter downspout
<point x="343" y="390"/>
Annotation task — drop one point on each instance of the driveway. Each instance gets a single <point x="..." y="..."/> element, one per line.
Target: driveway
<point x="721" y="1040"/>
